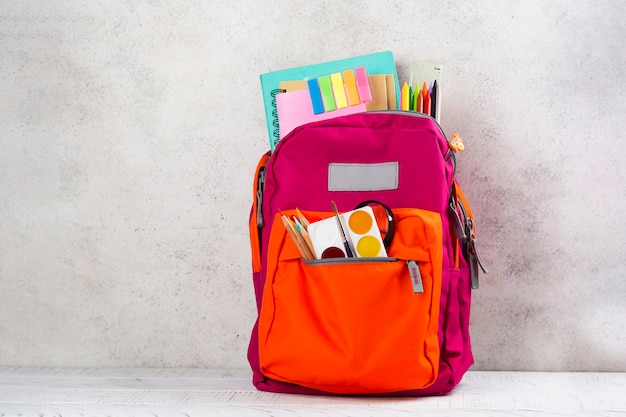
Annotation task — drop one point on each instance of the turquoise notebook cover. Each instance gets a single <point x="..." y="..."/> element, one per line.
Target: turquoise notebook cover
<point x="377" y="63"/>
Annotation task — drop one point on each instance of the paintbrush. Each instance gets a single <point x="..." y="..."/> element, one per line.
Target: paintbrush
<point x="344" y="238"/>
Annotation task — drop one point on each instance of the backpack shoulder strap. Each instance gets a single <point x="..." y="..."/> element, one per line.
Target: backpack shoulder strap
<point x="256" y="218"/>
<point x="470" y="244"/>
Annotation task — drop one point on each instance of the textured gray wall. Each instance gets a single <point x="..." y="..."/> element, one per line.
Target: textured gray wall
<point x="129" y="132"/>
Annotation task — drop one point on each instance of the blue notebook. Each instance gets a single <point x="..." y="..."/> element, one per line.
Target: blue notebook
<point x="377" y="63"/>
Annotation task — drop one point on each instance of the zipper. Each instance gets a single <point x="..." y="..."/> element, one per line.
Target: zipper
<point x="259" y="198"/>
<point x="412" y="266"/>
<point x="414" y="114"/>
<point x="416" y="277"/>
<point x="337" y="261"/>
<point x="449" y="156"/>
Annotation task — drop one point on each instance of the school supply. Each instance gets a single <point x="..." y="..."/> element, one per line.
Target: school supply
<point x="385" y="220"/>
<point x="425" y="82"/>
<point x="376" y="63"/>
<point x="386" y="324"/>
<point x="295" y="108"/>
<point x="390" y="83"/>
<point x="298" y="238"/>
<point x="378" y="92"/>
<point x="326" y="99"/>
<point x="354" y="233"/>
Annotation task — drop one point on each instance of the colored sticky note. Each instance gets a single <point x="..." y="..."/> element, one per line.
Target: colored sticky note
<point x="338" y="90"/>
<point x="351" y="91"/>
<point x="292" y="85"/>
<point x="327" y="93"/>
<point x="362" y="84"/>
<point x="316" y="96"/>
<point x="378" y="88"/>
<point x="392" y="100"/>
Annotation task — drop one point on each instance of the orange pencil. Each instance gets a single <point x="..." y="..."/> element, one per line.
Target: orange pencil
<point x="426" y="98"/>
<point x="419" y="106"/>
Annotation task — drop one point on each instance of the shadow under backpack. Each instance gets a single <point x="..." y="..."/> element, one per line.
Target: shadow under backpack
<point x="385" y="326"/>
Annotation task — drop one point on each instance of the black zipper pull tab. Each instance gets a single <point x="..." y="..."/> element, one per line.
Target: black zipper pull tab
<point x="416" y="277"/>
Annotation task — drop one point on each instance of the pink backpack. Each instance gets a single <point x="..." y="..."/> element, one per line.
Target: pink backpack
<point x="401" y="160"/>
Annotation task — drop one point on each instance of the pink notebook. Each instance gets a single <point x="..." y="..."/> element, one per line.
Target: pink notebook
<point x="295" y="109"/>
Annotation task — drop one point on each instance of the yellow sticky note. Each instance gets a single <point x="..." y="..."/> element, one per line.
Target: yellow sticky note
<point x="338" y="90"/>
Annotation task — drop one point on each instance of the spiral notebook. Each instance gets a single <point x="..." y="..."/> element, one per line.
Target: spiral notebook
<point x="377" y="63"/>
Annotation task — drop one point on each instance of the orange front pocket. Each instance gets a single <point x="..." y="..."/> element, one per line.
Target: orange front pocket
<point x="354" y="325"/>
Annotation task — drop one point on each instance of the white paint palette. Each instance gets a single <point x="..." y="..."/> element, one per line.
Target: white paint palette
<point x="361" y="231"/>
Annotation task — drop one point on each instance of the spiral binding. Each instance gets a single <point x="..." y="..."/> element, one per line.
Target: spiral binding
<point x="276" y="131"/>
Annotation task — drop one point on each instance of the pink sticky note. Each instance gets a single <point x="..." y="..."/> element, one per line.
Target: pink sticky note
<point x="362" y="84"/>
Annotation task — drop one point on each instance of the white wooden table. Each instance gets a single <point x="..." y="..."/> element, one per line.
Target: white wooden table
<point x="200" y="392"/>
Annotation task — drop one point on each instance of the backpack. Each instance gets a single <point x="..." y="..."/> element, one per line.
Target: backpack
<point x="391" y="325"/>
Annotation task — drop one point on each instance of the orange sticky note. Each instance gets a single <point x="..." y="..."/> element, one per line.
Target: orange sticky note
<point x="351" y="91"/>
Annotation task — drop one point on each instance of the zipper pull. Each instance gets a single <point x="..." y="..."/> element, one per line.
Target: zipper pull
<point x="456" y="143"/>
<point x="473" y="267"/>
<point x="416" y="277"/>
<point x="479" y="260"/>
<point x="475" y="260"/>
<point x="474" y="246"/>
<point x="459" y="232"/>
<point x="259" y="198"/>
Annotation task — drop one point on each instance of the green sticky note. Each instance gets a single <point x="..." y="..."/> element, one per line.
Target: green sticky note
<point x="327" y="93"/>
